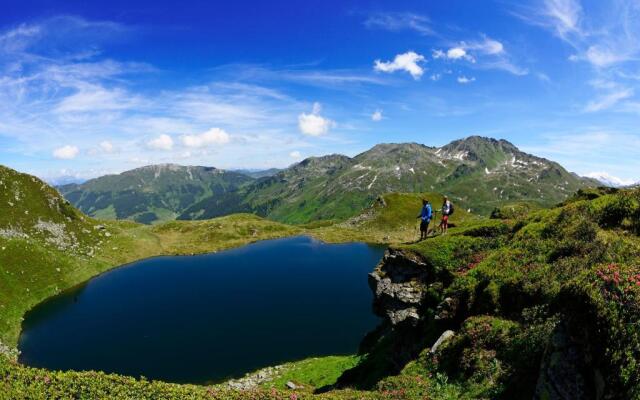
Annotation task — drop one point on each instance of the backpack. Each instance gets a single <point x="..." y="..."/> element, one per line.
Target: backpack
<point x="451" y="209"/>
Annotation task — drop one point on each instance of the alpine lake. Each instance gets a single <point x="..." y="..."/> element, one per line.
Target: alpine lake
<point x="207" y="318"/>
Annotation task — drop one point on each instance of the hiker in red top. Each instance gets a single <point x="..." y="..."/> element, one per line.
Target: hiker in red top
<point x="447" y="210"/>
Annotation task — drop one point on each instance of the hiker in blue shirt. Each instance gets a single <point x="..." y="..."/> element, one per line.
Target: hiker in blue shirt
<point x="425" y="218"/>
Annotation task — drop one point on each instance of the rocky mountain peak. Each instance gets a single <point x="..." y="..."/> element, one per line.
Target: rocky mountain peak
<point x="323" y="164"/>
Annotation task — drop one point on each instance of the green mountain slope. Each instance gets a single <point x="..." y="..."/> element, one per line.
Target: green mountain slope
<point x="154" y="193"/>
<point x="477" y="173"/>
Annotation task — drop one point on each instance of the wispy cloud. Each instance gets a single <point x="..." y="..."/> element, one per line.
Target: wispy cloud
<point x="600" y="36"/>
<point x="50" y="95"/>
<point x="589" y="149"/>
<point x="608" y="100"/>
<point x="606" y="37"/>
<point x="482" y="53"/>
<point x="398" y="21"/>
<point x="309" y="75"/>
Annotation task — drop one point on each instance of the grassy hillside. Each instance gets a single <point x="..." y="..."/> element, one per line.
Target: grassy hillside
<point x="392" y="218"/>
<point x="538" y="305"/>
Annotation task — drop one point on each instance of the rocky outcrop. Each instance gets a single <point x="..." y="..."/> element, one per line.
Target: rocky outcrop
<point x="567" y="372"/>
<point x="399" y="284"/>
<point x="257" y="378"/>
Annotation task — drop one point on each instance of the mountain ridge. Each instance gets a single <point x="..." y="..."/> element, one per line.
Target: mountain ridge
<point x="151" y="193"/>
<point x="479" y="173"/>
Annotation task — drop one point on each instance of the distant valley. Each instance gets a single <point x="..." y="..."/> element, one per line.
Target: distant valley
<point x="477" y="173"/>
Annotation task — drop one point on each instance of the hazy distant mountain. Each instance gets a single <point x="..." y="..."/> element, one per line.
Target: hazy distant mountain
<point x="611" y="181"/>
<point x="64" y="180"/>
<point x="152" y="193"/>
<point x="258" y="173"/>
<point x="478" y="173"/>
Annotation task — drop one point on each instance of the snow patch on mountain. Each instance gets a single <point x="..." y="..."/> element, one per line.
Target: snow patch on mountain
<point x="610" y="180"/>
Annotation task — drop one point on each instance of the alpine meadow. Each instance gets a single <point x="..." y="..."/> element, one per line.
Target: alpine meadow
<point x="320" y="200"/>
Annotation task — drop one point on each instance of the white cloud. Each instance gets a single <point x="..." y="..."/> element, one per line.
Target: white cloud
<point x="106" y="146"/>
<point x="408" y="62"/>
<point x="295" y="155"/>
<point x="162" y="142"/>
<point x="66" y="152"/>
<point x="208" y="138"/>
<point x="463" y="79"/>
<point x="456" y="53"/>
<point x="314" y="124"/>
<point x="376" y="116"/>
<point x="608" y="100"/>
<point x="400" y="21"/>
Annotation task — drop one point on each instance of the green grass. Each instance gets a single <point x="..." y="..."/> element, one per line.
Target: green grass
<point x="312" y="373"/>
<point x="105" y="213"/>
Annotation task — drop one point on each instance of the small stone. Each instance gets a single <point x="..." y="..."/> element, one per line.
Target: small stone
<point x="58" y="269"/>
<point x="107" y="234"/>
<point x="446" y="335"/>
<point x="292" y="385"/>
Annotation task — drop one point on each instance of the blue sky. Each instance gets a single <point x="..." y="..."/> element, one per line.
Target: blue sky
<point x="88" y="88"/>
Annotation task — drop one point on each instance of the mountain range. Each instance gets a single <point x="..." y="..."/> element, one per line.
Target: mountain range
<point x="152" y="193"/>
<point x="477" y="173"/>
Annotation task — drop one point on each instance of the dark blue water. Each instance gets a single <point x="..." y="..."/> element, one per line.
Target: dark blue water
<point x="209" y="317"/>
